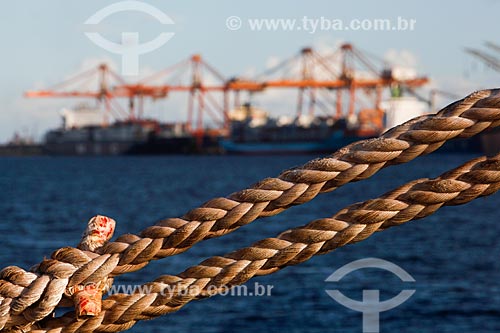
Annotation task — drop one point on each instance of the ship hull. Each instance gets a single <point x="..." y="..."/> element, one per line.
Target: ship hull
<point x="132" y="138"/>
<point x="20" y="150"/>
<point x="334" y="142"/>
<point x="152" y="147"/>
<point x="471" y="145"/>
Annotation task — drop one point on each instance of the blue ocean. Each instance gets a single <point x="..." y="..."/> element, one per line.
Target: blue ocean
<point x="453" y="255"/>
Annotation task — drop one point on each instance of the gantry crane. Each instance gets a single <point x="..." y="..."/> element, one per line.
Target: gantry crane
<point x="191" y="76"/>
<point x="95" y="83"/>
<point x="315" y="77"/>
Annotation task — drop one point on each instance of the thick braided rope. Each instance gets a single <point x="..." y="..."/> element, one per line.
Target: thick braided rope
<point x="415" y="200"/>
<point x="34" y="296"/>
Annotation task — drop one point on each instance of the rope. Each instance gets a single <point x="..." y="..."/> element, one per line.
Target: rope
<point x="28" y="297"/>
<point x="414" y="200"/>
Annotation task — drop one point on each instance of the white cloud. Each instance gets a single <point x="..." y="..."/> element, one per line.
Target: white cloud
<point x="249" y="72"/>
<point x="272" y="61"/>
<point x="401" y="58"/>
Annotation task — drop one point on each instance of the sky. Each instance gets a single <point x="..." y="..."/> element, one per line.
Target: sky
<point x="44" y="42"/>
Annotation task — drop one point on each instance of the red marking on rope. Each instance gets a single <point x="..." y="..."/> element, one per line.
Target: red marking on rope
<point x="83" y="302"/>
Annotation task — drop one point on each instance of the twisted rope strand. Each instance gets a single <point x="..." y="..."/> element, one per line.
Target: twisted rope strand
<point x="414" y="200"/>
<point x="270" y="196"/>
<point x="24" y="294"/>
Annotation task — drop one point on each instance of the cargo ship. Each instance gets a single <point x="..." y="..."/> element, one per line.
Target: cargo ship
<point x="323" y="81"/>
<point x="20" y="145"/>
<point x="253" y="131"/>
<point x="83" y="132"/>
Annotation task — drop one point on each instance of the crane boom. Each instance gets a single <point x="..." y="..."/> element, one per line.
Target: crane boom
<point x="312" y="74"/>
<point x="488" y="59"/>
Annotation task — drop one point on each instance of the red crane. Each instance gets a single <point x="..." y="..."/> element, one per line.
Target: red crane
<point x="95" y="84"/>
<point x="193" y="76"/>
<point x="315" y="75"/>
<point x="321" y="80"/>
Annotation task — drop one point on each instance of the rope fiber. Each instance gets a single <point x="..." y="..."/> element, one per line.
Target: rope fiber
<point x="27" y="299"/>
<point x="414" y="200"/>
